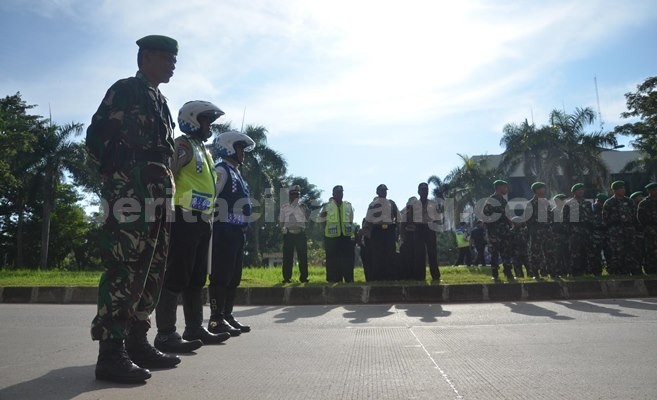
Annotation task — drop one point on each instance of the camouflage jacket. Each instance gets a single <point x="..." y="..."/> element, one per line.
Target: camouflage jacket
<point x="647" y="215"/>
<point x="132" y="123"/>
<point x="519" y="236"/>
<point x="618" y="212"/>
<point x="537" y="212"/>
<point x="578" y="215"/>
<point x="497" y="222"/>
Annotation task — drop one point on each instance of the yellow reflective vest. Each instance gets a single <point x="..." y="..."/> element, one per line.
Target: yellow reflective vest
<point x="195" y="182"/>
<point x="461" y="240"/>
<point x="339" y="220"/>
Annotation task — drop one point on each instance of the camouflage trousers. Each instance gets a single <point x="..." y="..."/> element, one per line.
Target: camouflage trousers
<point x="650" y="266"/>
<point x="134" y="247"/>
<point x="558" y="254"/>
<point x="520" y="258"/>
<point x="598" y="240"/>
<point x="640" y="250"/>
<point x="498" y="245"/>
<point x="583" y="254"/>
<point x="622" y="259"/>
<point x="539" y="240"/>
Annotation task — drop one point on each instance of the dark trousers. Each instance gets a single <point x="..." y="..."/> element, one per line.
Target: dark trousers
<point x="481" y="254"/>
<point x="339" y="259"/>
<point x="382" y="253"/>
<point x="187" y="265"/>
<point x="365" y="257"/>
<point x="292" y="242"/>
<point x="227" y="258"/>
<point x="465" y="256"/>
<point x="425" y="246"/>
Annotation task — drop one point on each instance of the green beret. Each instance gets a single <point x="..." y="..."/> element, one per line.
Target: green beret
<point x="559" y="196"/>
<point x="500" y="182"/>
<point x="577" y="187"/>
<point x="158" y="42"/>
<point x="617" y="185"/>
<point x="537" y="185"/>
<point x="602" y="197"/>
<point x="635" y="194"/>
<point x="651" y="185"/>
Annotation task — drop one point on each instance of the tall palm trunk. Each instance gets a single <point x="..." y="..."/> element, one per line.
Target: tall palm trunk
<point x="48" y="200"/>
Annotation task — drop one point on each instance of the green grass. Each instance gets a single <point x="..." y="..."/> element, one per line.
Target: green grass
<point x="257" y="277"/>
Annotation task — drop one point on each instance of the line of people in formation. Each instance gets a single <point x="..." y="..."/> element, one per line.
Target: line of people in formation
<point x="162" y="233"/>
<point x="566" y="236"/>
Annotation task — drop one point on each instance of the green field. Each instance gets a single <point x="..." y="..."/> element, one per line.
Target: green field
<point x="252" y="277"/>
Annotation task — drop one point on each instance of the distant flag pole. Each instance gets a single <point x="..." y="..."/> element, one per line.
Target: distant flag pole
<point x="597" y="98"/>
<point x="243" y="116"/>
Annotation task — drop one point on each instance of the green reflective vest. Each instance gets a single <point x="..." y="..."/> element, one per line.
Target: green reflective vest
<point x="339" y="220"/>
<point x="195" y="182"/>
<point x="461" y="240"/>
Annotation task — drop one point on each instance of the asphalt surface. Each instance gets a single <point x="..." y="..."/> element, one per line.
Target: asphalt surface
<point x="598" y="349"/>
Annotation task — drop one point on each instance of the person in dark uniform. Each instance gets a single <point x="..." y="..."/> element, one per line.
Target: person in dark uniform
<point x="187" y="265"/>
<point x="380" y="226"/>
<point x="232" y="217"/>
<point x="478" y="238"/>
<point x="426" y="217"/>
<point x="293" y="218"/>
<point x="619" y="214"/>
<point x="362" y="240"/>
<point x="519" y="240"/>
<point x="578" y="215"/>
<point x="537" y="214"/>
<point x="639" y="236"/>
<point x="407" y="246"/>
<point x="558" y="251"/>
<point x="647" y="216"/>
<point x="130" y="139"/>
<point x="498" y="226"/>
<point x="338" y="226"/>
<point x="599" y="236"/>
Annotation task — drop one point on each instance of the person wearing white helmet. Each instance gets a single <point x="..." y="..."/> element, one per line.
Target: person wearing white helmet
<point x="187" y="264"/>
<point x="231" y="219"/>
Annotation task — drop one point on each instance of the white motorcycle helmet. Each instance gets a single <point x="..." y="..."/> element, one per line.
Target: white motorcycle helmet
<point x="189" y="113"/>
<point x="226" y="143"/>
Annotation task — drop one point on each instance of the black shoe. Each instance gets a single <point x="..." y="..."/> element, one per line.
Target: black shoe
<point x="146" y="356"/>
<point x="173" y="343"/>
<point x="287" y="281"/>
<point x="304" y="280"/>
<point x="114" y="365"/>
<point x="221" y="326"/>
<point x="236" y="324"/>
<point x="205" y="336"/>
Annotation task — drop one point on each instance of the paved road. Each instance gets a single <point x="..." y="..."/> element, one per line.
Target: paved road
<point x="599" y="349"/>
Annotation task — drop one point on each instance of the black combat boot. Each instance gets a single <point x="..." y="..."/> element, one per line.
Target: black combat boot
<point x="228" y="313"/>
<point x="114" y="365"/>
<point x="143" y="354"/>
<point x="194" y="329"/>
<point x="167" y="339"/>
<point x="217" y="322"/>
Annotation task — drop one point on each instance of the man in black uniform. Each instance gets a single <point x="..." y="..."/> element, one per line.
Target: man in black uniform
<point x="381" y="229"/>
<point x="478" y="237"/>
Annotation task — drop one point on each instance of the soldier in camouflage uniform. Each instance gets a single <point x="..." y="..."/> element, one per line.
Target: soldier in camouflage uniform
<point x="519" y="239"/>
<point x="578" y="215"/>
<point x="647" y="216"/>
<point x="538" y="224"/>
<point x="498" y="227"/>
<point x="618" y="214"/>
<point x="558" y="252"/>
<point x="639" y="235"/>
<point x="131" y="139"/>
<point x="599" y="236"/>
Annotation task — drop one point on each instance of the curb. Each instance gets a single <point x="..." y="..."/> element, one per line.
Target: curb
<point x="320" y="295"/>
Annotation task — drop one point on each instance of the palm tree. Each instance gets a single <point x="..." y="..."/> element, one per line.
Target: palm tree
<point x="535" y="149"/>
<point x="579" y="150"/>
<point x="58" y="155"/>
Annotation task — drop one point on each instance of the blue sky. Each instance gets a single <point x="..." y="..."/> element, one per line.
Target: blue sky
<point x="352" y="92"/>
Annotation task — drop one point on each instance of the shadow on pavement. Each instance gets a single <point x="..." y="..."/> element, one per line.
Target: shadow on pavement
<point x="533" y="310"/>
<point x="584" y="306"/>
<point x="254" y="310"/>
<point x="640" y="305"/>
<point x="63" y="383"/>
<point x="425" y="312"/>
<point x="291" y="314"/>
<point x="362" y="314"/>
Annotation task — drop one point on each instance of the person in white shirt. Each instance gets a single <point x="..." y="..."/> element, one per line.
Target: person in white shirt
<point x="293" y="218"/>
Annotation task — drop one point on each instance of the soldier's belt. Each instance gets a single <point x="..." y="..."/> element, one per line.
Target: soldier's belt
<point x="149" y="156"/>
